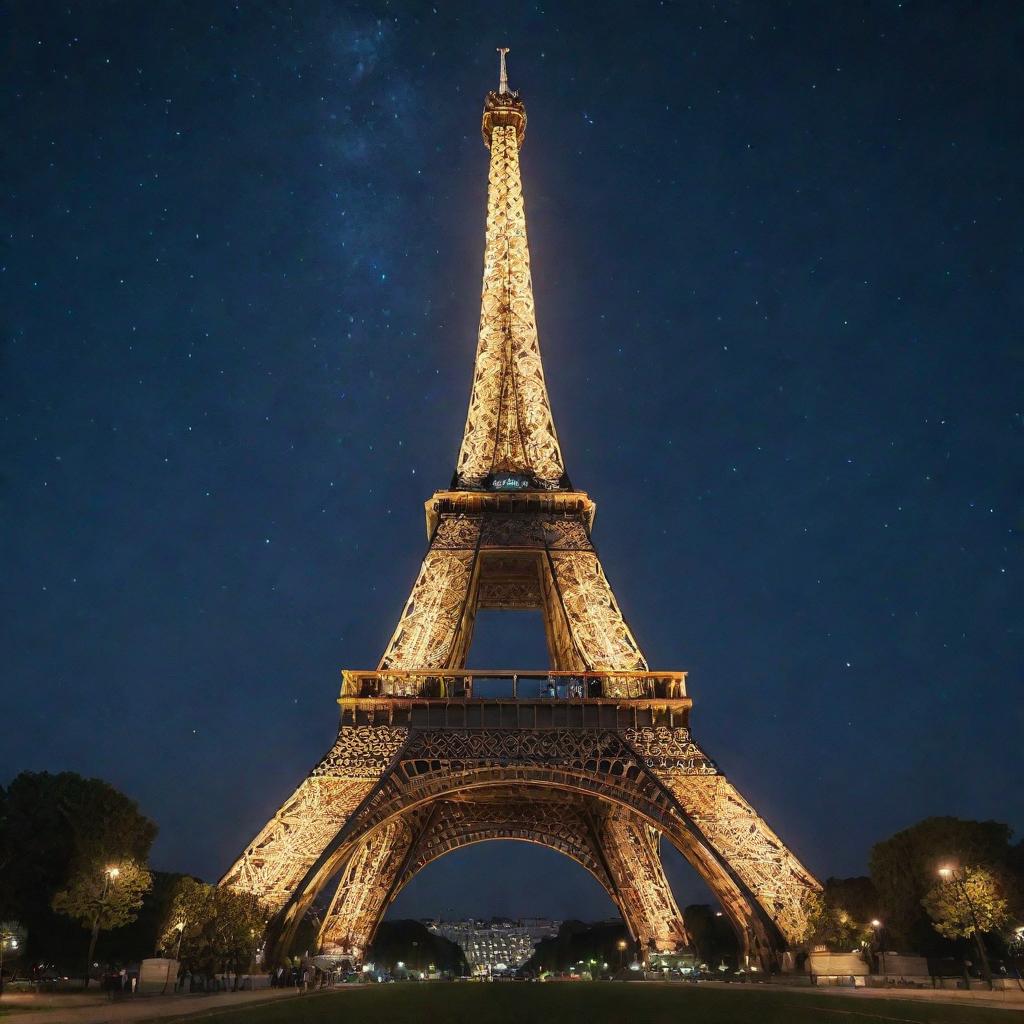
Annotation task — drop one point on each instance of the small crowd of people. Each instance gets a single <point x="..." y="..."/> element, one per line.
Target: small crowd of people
<point x="305" y="977"/>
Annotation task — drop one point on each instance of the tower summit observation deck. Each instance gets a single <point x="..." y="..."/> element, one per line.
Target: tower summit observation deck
<point x="593" y="758"/>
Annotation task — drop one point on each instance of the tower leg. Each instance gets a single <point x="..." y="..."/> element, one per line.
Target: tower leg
<point x="630" y="848"/>
<point x="738" y="837"/>
<point x="277" y="860"/>
<point x="364" y="890"/>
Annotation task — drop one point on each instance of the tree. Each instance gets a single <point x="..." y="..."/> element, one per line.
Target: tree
<point x="839" y="917"/>
<point x="711" y="934"/>
<point x="102" y="897"/>
<point x="576" y="942"/>
<point x="412" y="943"/>
<point x="904" y="868"/>
<point x="857" y="896"/>
<point x="241" y="919"/>
<point x="213" y="928"/>
<point x="143" y="936"/>
<point x="832" y="926"/>
<point x="51" y="827"/>
<point x="973" y="903"/>
<point x="307" y="932"/>
<point x="12" y="942"/>
<point x="966" y="904"/>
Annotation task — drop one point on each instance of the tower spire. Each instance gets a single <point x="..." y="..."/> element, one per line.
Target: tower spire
<point x="509" y="440"/>
<point x="503" y="75"/>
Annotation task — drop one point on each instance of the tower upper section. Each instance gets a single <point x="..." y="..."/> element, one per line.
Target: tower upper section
<point x="509" y="442"/>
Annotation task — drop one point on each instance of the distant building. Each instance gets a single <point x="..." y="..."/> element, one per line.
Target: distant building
<point x="498" y="944"/>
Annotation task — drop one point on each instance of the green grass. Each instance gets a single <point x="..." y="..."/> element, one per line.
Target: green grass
<point x="595" y="1003"/>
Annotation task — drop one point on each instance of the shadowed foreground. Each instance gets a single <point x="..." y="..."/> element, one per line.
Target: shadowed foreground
<point x="597" y="1003"/>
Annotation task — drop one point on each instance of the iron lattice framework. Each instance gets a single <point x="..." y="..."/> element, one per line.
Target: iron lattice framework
<point x="594" y="758"/>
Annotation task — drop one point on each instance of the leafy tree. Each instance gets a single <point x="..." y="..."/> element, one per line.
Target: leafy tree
<point x="711" y="933"/>
<point x="241" y="920"/>
<point x="213" y="928"/>
<point x="833" y="927"/>
<point x="103" y="897"/>
<point x="578" y="941"/>
<point x="857" y="896"/>
<point x="973" y="903"/>
<point x="143" y="936"/>
<point x="968" y="903"/>
<point x="839" y="918"/>
<point x="412" y="943"/>
<point x="904" y="868"/>
<point x="12" y="942"/>
<point x="307" y="932"/>
<point x="51" y="827"/>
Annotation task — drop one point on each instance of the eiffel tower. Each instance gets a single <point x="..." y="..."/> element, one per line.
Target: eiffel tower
<point x="593" y="758"/>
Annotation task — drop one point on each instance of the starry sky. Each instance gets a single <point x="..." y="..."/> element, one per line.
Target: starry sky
<point x="778" y="270"/>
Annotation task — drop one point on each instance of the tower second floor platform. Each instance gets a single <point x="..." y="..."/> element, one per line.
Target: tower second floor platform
<point x="481" y="698"/>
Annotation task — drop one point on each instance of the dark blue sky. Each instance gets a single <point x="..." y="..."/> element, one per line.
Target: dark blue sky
<point x="778" y="268"/>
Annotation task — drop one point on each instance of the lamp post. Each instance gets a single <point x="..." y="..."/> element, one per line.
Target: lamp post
<point x="622" y="944"/>
<point x="877" y="925"/>
<point x="109" y="875"/>
<point x="6" y="939"/>
<point x="949" y="874"/>
<point x="180" y="929"/>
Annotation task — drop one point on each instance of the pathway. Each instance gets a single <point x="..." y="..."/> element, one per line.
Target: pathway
<point x="59" y="1009"/>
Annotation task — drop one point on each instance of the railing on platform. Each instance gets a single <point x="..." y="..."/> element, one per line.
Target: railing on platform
<point x="481" y="684"/>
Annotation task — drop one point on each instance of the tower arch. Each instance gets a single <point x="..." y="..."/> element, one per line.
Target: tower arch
<point x="585" y="830"/>
<point x="600" y="732"/>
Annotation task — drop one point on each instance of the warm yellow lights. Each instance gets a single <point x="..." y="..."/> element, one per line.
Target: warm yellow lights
<point x="876" y="923"/>
<point x="112" y="873"/>
<point x="509" y="427"/>
<point x="428" y="760"/>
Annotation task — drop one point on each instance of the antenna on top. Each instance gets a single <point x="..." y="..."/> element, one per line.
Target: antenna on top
<point x="503" y="77"/>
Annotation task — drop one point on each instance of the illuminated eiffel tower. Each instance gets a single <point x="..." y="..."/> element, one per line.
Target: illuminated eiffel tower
<point x="593" y="758"/>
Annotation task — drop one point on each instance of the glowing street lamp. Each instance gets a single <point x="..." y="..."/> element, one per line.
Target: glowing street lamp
<point x="948" y="874"/>
<point x="7" y="941"/>
<point x="110" y="874"/>
<point x="877" y="925"/>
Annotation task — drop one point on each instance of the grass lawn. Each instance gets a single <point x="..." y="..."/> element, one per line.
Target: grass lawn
<point x="595" y="1003"/>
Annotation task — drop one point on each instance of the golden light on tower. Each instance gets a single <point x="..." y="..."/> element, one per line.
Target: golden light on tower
<point x="593" y="758"/>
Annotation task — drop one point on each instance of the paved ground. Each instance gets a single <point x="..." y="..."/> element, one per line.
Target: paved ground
<point x="86" y="1009"/>
<point x="1009" y="999"/>
<point x="515" y="1003"/>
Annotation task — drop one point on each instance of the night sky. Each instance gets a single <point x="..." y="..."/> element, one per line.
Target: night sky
<point x="778" y="265"/>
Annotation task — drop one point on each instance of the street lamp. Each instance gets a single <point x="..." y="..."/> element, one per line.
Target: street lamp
<point x="622" y="944"/>
<point x="180" y="929"/>
<point x="110" y="873"/>
<point x="6" y="939"/>
<point x="949" y="874"/>
<point x="877" y="925"/>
